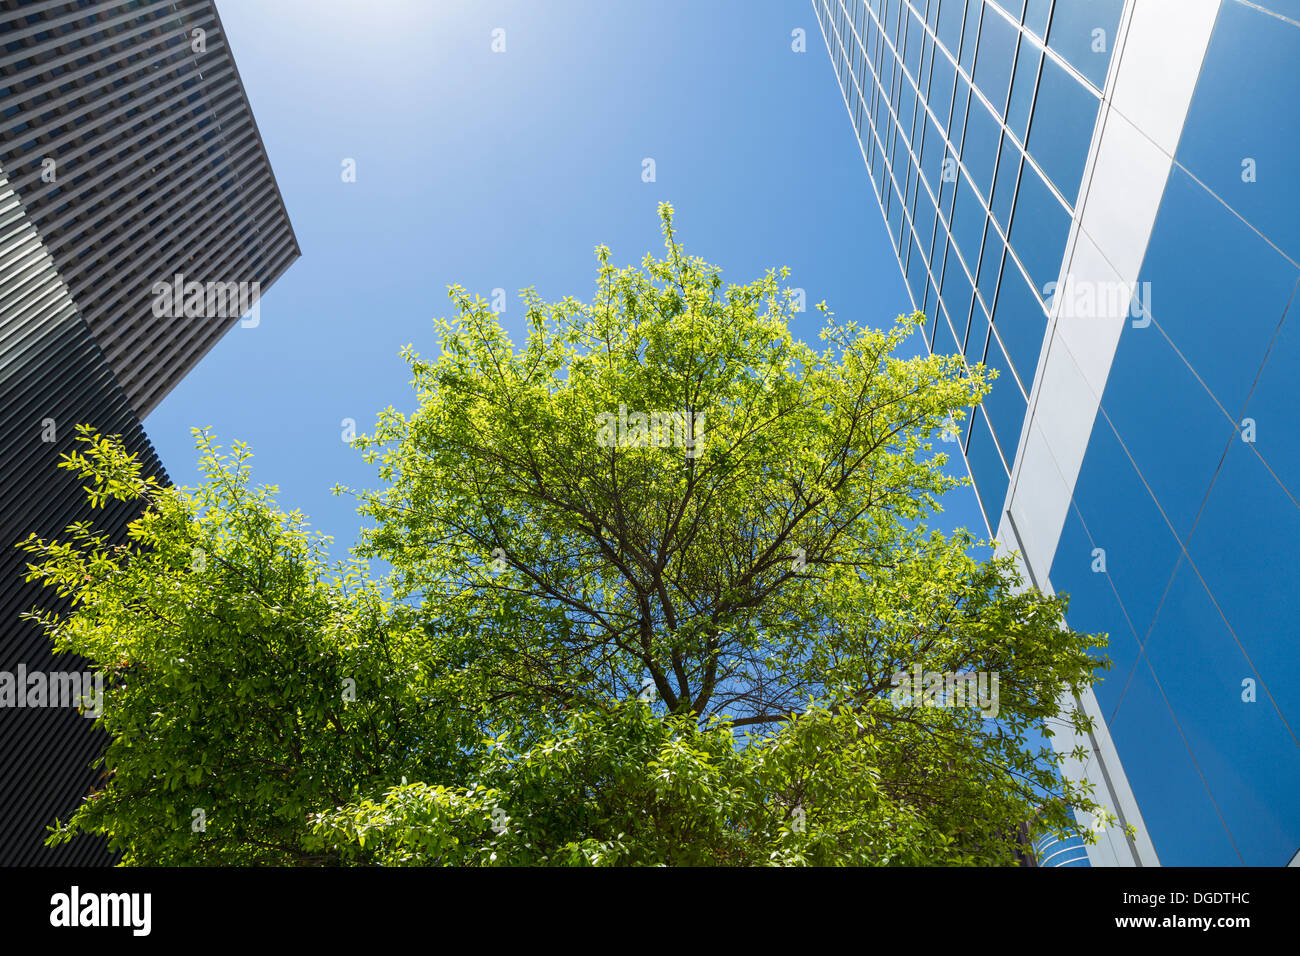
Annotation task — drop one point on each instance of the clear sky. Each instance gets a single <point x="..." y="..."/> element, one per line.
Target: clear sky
<point x="504" y="170"/>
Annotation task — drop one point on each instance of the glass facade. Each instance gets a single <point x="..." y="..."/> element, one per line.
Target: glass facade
<point x="995" y="133"/>
<point x="976" y="141"/>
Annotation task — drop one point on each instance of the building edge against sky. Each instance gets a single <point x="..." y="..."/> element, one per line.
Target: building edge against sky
<point x="1124" y="153"/>
<point x="128" y="155"/>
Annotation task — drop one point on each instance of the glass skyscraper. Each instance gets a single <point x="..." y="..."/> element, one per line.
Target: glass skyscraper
<point x="1098" y="199"/>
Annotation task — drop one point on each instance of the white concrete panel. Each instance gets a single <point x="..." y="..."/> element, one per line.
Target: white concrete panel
<point x="1114" y="847"/>
<point x="1154" y="90"/>
<point x="1070" y="407"/>
<point x="1123" y="194"/>
<point x="1156" y="61"/>
<point x="1091" y="336"/>
<point x="1040" y="503"/>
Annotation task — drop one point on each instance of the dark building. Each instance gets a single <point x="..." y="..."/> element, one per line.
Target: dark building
<point x="128" y="157"/>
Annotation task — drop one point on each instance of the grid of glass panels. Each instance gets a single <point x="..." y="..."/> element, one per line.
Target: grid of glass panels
<point x="975" y="119"/>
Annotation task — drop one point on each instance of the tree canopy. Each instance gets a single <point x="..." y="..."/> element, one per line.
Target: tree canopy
<point x="658" y="573"/>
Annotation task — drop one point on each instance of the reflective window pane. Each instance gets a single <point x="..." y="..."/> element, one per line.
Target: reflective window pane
<point x="957" y="293"/>
<point x="1274" y="397"/>
<point x="1039" y="229"/>
<point x="1244" y="556"/>
<point x="948" y="185"/>
<point x="1064" y="116"/>
<point x="990" y="266"/>
<point x="1188" y="826"/>
<point x="912" y="47"/>
<point x="906" y="112"/>
<point x="977" y="336"/>
<point x="970" y="35"/>
<point x="942" y="76"/>
<point x="916" y="274"/>
<point x="980" y="146"/>
<point x="1004" y="188"/>
<point x="968" y="219"/>
<point x="1288" y="8"/>
<point x="1255" y="785"/>
<point x="1036" y="15"/>
<point x="1083" y="32"/>
<point x="997" y="53"/>
<point x="894" y="210"/>
<point x="1094" y="606"/>
<point x="1242" y="134"/>
<point x="951" y="15"/>
<point x="923" y="223"/>
<point x="932" y="148"/>
<point x="940" y="248"/>
<point x="958" y="125"/>
<point x="1022" y="89"/>
<point x="1149" y="386"/>
<point x="1141" y="551"/>
<point x="1020" y="322"/>
<point x="1005" y="403"/>
<point x="944" y="343"/>
<point x="987" y="468"/>
<point x="1202" y="265"/>
<point x="927" y="56"/>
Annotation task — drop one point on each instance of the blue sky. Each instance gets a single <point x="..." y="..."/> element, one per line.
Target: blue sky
<point x="503" y="170"/>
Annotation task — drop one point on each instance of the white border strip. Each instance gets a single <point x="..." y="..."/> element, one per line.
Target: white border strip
<point x="1156" y="60"/>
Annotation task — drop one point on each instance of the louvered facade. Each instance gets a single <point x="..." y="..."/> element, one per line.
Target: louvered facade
<point x="128" y="156"/>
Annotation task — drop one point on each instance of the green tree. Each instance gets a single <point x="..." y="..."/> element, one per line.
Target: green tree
<point x="760" y="550"/>
<point x="622" y="785"/>
<point x="609" y="639"/>
<point x="248" y="686"/>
